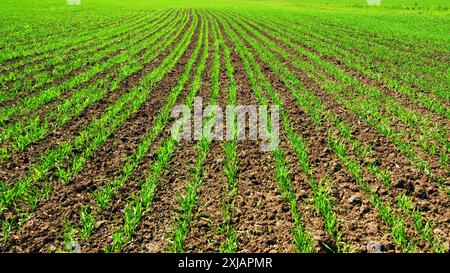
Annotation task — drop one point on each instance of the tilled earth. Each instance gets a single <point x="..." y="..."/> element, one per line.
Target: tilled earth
<point x="261" y="216"/>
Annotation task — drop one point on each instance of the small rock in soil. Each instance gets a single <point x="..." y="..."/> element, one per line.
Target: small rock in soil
<point x="439" y="232"/>
<point x="373" y="247"/>
<point x="355" y="199"/>
<point x="74" y="247"/>
<point x="336" y="166"/>
<point x="302" y="194"/>
<point x="431" y="190"/>
<point x="421" y="193"/>
<point x="98" y="224"/>
<point x="403" y="184"/>
<point x="446" y="246"/>
<point x="364" y="209"/>
<point x="373" y="161"/>
<point x="252" y="175"/>
<point x="372" y="228"/>
<point x="271" y="242"/>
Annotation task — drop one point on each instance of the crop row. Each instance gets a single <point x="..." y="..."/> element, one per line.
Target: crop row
<point x="32" y="51"/>
<point x="368" y="109"/>
<point x="143" y="200"/>
<point x="71" y="155"/>
<point x="34" y="102"/>
<point x="21" y="133"/>
<point x="52" y="71"/>
<point x="378" y="62"/>
<point x="352" y="166"/>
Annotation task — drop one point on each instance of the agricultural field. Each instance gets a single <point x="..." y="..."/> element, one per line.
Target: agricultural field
<point x="89" y="161"/>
